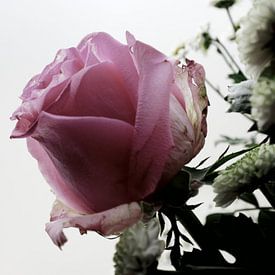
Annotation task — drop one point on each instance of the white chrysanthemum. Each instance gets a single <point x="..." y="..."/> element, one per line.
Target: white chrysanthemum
<point x="138" y="248"/>
<point x="263" y="103"/>
<point x="239" y="96"/>
<point x="256" y="37"/>
<point x="240" y="176"/>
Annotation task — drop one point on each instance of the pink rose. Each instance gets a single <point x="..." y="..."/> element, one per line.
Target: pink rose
<point x="109" y="124"/>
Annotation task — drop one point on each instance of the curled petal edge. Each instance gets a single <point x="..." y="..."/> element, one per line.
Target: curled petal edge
<point x="112" y="221"/>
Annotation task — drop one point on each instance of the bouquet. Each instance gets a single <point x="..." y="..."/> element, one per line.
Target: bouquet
<point x="113" y="127"/>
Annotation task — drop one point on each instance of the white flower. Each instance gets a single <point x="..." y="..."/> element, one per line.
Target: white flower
<point x="263" y="103"/>
<point x="240" y="177"/>
<point x="138" y="248"/>
<point x="256" y="37"/>
<point x="239" y="96"/>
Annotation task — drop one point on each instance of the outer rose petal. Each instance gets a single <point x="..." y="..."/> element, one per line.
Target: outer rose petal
<point x="183" y="137"/>
<point x="65" y="192"/>
<point x="152" y="139"/>
<point x="196" y="80"/>
<point x="91" y="154"/>
<point x="112" y="221"/>
<point x="190" y="81"/>
<point x="97" y="90"/>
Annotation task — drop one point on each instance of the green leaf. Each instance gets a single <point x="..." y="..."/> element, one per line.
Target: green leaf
<point x="199" y="258"/>
<point x="195" y="174"/>
<point x="185" y="238"/>
<point x="223" y="4"/>
<point x="207" y="40"/>
<point x="225" y="159"/>
<point x="250" y="198"/>
<point x="237" y="77"/>
<point x="161" y="222"/>
<point x="193" y="206"/>
<point x="207" y="175"/>
<point x="202" y="162"/>
<point x="177" y="192"/>
<point x="239" y="236"/>
<point x="266" y="220"/>
<point x="169" y="237"/>
<point x="224" y="153"/>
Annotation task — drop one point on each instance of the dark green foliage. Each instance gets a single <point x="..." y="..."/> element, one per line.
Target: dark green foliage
<point x="237" y="77"/>
<point x="250" y="198"/>
<point x="207" y="40"/>
<point x="224" y="4"/>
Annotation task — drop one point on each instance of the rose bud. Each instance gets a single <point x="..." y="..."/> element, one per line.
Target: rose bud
<point x="109" y="124"/>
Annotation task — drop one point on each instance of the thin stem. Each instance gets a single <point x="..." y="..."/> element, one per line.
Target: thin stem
<point x="267" y="194"/>
<point x="227" y="62"/>
<point x="228" y="54"/>
<point x="231" y="20"/>
<point x="215" y="89"/>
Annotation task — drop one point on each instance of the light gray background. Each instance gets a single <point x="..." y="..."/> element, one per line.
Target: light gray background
<point x="31" y="33"/>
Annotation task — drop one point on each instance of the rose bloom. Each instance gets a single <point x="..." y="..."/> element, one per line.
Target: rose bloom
<point x="109" y="124"/>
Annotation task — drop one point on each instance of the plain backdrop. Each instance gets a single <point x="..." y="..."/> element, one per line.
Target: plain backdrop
<point x="31" y="33"/>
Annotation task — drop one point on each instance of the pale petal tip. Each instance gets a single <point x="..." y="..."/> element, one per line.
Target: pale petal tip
<point x="55" y="231"/>
<point x="130" y="39"/>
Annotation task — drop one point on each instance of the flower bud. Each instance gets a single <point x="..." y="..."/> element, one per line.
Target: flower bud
<point x="240" y="176"/>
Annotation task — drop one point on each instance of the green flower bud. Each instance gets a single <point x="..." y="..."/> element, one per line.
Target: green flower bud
<point x="240" y="176"/>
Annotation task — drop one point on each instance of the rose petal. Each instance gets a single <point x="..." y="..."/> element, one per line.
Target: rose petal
<point x="152" y="140"/>
<point x="88" y="55"/>
<point x="196" y="80"/>
<point x="96" y="91"/>
<point x="65" y="192"/>
<point x="106" y="48"/>
<point x="91" y="154"/>
<point x="43" y="80"/>
<point x="28" y="112"/>
<point x="183" y="137"/>
<point x="71" y="67"/>
<point x="190" y="81"/>
<point x="112" y="221"/>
